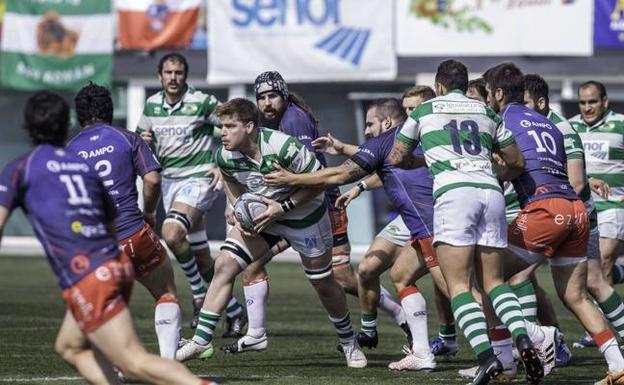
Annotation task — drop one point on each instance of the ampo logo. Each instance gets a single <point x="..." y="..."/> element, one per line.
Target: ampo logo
<point x="343" y="42"/>
<point x="525" y="123"/>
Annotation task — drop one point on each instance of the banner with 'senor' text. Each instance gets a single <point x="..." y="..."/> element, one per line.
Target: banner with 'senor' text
<point x="306" y="40"/>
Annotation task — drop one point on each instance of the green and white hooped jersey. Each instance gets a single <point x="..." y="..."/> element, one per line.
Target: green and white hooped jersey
<point x="604" y="155"/>
<point x="574" y="150"/>
<point x="184" y="134"/>
<point x="458" y="135"/>
<point x="281" y="149"/>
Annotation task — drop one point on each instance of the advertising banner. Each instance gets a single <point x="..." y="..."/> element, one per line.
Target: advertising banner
<point x="609" y="24"/>
<point x="493" y="27"/>
<point x="306" y="40"/>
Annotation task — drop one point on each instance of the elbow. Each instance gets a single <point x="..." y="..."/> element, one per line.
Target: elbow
<point x="578" y="185"/>
<point x="152" y="180"/>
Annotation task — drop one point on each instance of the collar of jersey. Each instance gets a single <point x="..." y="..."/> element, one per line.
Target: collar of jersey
<point x="171" y="109"/>
<point x="602" y="120"/>
<point x="456" y="91"/>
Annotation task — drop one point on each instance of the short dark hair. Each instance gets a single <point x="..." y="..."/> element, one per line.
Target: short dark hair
<point x="46" y="118"/>
<point x="424" y="92"/>
<point x="508" y="78"/>
<point x="602" y="91"/>
<point x="479" y="85"/>
<point x="452" y="74"/>
<point x="243" y="109"/>
<point x="389" y="108"/>
<point x="175" y="58"/>
<point x="537" y="87"/>
<point x="94" y="104"/>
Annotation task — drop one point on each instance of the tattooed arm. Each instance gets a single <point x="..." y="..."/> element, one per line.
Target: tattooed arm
<point x="347" y="172"/>
<point x="402" y="150"/>
<point x="401" y="156"/>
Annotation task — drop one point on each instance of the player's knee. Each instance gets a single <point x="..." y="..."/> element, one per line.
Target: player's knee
<point x="366" y="273"/>
<point x="175" y="227"/>
<point x="253" y="273"/>
<point x="318" y="273"/>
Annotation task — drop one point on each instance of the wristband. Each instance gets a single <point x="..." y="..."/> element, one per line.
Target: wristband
<point x="362" y="186"/>
<point x="287" y="205"/>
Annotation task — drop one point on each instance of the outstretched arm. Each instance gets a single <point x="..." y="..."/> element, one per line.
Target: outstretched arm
<point x="333" y="146"/>
<point x="347" y="172"/>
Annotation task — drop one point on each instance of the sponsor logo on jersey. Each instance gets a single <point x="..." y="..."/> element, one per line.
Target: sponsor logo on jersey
<point x="94" y="138"/>
<point x="292" y="150"/>
<point x="171" y="130"/>
<point x="596" y="149"/>
<point x="529" y="123"/>
<point x="79" y="264"/>
<point x="56" y="166"/>
<point x="95" y="153"/>
<point x="88" y="230"/>
<point x="448" y="106"/>
<point x="189" y="109"/>
<point x="367" y="152"/>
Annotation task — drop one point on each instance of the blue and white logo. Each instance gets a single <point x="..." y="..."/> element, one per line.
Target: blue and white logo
<point x="346" y="43"/>
<point x="305" y="40"/>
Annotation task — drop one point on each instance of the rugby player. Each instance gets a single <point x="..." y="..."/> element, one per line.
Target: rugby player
<point x="553" y="222"/>
<point x="180" y="125"/>
<point x="299" y="216"/>
<point x="458" y="136"/>
<point x="285" y="111"/>
<point x="72" y="215"/>
<point x="119" y="156"/>
<point x="410" y="193"/>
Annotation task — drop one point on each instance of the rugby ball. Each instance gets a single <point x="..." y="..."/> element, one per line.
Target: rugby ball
<point x="247" y="207"/>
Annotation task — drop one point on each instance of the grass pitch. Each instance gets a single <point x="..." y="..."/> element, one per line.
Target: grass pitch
<point x="301" y="339"/>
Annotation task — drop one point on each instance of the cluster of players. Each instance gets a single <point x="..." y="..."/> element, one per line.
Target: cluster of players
<point x="489" y="183"/>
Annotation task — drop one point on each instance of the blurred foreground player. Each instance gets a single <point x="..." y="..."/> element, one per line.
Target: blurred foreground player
<point x="119" y="156"/>
<point x="71" y="212"/>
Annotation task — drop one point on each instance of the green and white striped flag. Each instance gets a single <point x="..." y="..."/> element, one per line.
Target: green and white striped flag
<point x="56" y="44"/>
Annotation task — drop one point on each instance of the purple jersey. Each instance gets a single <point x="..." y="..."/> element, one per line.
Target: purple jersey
<point x="118" y="156"/>
<point x="410" y="191"/>
<point x="298" y="123"/>
<point x="67" y="206"/>
<point x="543" y="150"/>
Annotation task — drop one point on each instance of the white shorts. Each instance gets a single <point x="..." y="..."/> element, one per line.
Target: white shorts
<point x="396" y="232"/>
<point x="467" y="216"/>
<point x="190" y="191"/>
<point x="312" y="241"/>
<point x="611" y="224"/>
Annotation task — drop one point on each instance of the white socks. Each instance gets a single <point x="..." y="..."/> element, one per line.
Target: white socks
<point x="415" y="308"/>
<point x="168" y="322"/>
<point x="256" y="294"/>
